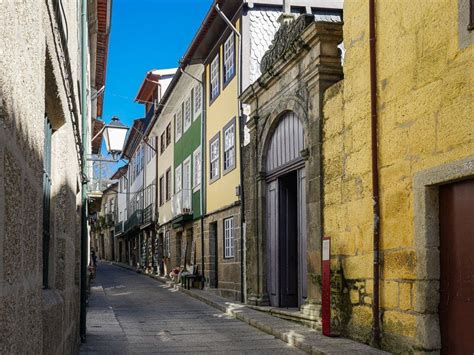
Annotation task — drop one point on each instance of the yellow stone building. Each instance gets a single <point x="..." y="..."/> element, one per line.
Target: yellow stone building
<point x="425" y="94"/>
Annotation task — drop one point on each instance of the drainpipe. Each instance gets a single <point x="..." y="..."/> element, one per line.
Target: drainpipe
<point x="84" y="234"/>
<point x="375" y="177"/>
<point x="243" y="266"/>
<point x="203" y="170"/>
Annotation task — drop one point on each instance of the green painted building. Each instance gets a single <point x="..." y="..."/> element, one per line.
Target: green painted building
<point x="187" y="164"/>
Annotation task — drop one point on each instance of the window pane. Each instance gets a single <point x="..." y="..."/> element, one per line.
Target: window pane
<point x="187" y="113"/>
<point x="197" y="100"/>
<point x="177" y="177"/>
<point x="215" y="77"/>
<point x="197" y="167"/>
<point x="229" y="58"/>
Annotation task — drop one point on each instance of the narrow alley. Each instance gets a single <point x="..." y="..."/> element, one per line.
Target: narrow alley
<point x="236" y="176"/>
<point x="130" y="313"/>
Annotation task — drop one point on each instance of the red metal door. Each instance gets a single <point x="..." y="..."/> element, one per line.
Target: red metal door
<point x="456" y="307"/>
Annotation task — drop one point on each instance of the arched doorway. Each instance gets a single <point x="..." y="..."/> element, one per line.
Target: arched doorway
<point x="286" y="214"/>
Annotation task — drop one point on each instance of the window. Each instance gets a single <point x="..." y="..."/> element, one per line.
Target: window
<point x="163" y="142"/>
<point x="178" y="183"/>
<point x="197" y="92"/>
<point x="229" y="146"/>
<point x="229" y="67"/>
<point x="229" y="238"/>
<point x="168" y="134"/>
<point x="187" y="113"/>
<point x="178" y="118"/>
<point x="48" y="132"/>
<point x="214" y="171"/>
<point x="186" y="174"/>
<point x="168" y="184"/>
<point x="197" y="168"/>
<point x="162" y="190"/>
<point x="166" y="244"/>
<point x="215" y="77"/>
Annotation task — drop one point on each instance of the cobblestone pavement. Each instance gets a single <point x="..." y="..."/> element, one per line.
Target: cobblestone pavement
<point x="131" y="313"/>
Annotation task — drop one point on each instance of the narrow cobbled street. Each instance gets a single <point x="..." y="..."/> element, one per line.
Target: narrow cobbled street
<point x="130" y="313"/>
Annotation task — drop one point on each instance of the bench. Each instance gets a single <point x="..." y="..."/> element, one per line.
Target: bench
<point x="193" y="275"/>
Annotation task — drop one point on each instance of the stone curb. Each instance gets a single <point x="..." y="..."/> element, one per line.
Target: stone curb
<point x="306" y="339"/>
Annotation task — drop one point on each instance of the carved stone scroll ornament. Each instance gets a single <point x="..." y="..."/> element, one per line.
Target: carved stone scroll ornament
<point x="286" y="39"/>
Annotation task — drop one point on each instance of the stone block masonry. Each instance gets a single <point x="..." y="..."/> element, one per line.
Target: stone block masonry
<point x="34" y="319"/>
<point x="425" y="110"/>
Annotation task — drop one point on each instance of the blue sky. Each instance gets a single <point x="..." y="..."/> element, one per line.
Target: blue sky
<point x="145" y="35"/>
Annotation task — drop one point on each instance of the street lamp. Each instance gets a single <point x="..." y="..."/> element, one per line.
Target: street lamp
<point x="114" y="135"/>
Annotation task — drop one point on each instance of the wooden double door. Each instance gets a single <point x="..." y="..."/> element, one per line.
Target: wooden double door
<point x="286" y="239"/>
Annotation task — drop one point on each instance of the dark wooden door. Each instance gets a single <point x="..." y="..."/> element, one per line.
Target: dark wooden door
<point x="456" y="308"/>
<point x="213" y="255"/>
<point x="288" y="240"/>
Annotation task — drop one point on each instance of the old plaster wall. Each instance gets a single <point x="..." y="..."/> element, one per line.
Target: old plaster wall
<point x="425" y="103"/>
<point x="33" y="320"/>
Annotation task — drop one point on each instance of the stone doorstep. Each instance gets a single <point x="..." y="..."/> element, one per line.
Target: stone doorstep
<point x="295" y="334"/>
<point x="294" y="315"/>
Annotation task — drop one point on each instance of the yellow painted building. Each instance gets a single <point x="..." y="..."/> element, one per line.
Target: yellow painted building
<point x="222" y="237"/>
<point x="425" y="93"/>
<point x="221" y="110"/>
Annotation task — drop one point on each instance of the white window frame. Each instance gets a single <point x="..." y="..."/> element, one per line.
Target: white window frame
<point x="214" y="159"/>
<point x="229" y="242"/>
<point x="229" y="58"/>
<point x="187" y="169"/>
<point x="178" y="179"/>
<point x="215" y="77"/>
<point x="166" y="244"/>
<point x="197" y="171"/>
<point x="188" y="113"/>
<point x="229" y="161"/>
<point x="197" y="106"/>
<point x="178" y="124"/>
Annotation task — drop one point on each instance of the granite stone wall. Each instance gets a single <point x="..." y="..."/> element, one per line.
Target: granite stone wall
<point x="425" y="126"/>
<point x="228" y="269"/>
<point x="33" y="319"/>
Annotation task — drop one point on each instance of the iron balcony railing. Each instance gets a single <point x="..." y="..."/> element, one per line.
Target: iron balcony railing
<point x="110" y="219"/>
<point x="135" y="220"/>
<point x="182" y="203"/>
<point x="119" y="228"/>
<point x="148" y="214"/>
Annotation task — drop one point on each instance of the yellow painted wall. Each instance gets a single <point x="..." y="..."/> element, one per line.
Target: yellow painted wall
<point x="221" y="192"/>
<point x="426" y="94"/>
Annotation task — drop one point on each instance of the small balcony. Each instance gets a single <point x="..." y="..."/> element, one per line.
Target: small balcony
<point x="134" y="221"/>
<point x="119" y="228"/>
<point x="148" y="216"/>
<point x="181" y="207"/>
<point x="110" y="219"/>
